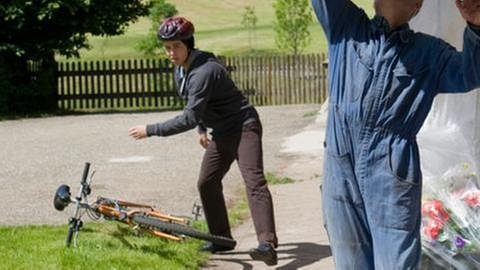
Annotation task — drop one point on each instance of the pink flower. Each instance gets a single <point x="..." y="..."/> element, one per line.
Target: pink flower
<point x="472" y="198"/>
<point x="433" y="228"/>
<point x="435" y="210"/>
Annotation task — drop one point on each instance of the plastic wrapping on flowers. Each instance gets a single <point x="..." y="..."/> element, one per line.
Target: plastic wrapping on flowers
<point x="451" y="219"/>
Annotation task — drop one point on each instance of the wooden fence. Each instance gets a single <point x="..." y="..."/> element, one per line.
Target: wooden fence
<point x="279" y="80"/>
<point x="148" y="83"/>
<point x="116" y="84"/>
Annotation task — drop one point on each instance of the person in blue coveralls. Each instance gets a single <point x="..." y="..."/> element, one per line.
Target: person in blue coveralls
<point x="383" y="78"/>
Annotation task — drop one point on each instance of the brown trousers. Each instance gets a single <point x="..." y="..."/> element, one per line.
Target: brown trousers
<point x="246" y="148"/>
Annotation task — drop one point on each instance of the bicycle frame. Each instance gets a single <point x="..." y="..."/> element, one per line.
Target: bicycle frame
<point x="119" y="210"/>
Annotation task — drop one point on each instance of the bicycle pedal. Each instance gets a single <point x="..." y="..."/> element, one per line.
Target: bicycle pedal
<point x="122" y="216"/>
<point x="137" y="229"/>
<point x="197" y="210"/>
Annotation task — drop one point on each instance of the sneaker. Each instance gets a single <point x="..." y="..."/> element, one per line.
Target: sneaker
<point x="213" y="248"/>
<point x="264" y="252"/>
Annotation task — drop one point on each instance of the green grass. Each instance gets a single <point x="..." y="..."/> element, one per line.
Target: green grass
<point x="239" y="211"/>
<point x="106" y="245"/>
<point x="218" y="29"/>
<point x="274" y="179"/>
<point x="311" y="114"/>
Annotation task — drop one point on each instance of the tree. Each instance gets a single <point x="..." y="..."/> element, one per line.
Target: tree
<point x="249" y="21"/>
<point x="292" y="18"/>
<point x="36" y="30"/>
<point x="159" y="10"/>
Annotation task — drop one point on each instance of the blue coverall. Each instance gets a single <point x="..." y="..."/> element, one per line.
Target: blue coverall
<point x="381" y="87"/>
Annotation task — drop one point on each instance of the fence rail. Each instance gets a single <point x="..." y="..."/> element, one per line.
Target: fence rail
<point x="148" y="83"/>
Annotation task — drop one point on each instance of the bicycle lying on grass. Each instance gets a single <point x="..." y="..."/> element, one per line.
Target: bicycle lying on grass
<point x="140" y="217"/>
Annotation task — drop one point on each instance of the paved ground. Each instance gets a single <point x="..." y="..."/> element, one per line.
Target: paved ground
<point x="37" y="155"/>
<point x="303" y="242"/>
<point x="40" y="154"/>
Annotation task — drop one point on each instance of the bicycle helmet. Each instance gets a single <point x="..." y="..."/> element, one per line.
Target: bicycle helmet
<point x="175" y="28"/>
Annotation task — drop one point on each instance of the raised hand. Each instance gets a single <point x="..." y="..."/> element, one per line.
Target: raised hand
<point x="470" y="10"/>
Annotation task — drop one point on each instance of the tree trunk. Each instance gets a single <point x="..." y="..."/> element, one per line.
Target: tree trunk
<point x="47" y="84"/>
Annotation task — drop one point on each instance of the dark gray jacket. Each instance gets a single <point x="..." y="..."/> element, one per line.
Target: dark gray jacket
<point x="212" y="100"/>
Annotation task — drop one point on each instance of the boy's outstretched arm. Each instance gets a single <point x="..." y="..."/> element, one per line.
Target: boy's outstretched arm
<point x="460" y="71"/>
<point x="336" y="16"/>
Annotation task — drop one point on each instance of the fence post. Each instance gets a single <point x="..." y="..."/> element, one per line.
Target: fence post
<point x="324" y="79"/>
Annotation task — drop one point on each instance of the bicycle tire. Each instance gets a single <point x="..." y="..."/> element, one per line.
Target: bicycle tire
<point x="151" y="222"/>
<point x="69" y="236"/>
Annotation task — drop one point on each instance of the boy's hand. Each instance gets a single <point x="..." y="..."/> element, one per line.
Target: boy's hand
<point x="204" y="140"/>
<point x="138" y="132"/>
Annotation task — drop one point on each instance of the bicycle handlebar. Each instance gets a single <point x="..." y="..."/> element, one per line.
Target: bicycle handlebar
<point x="85" y="173"/>
<point x="85" y="186"/>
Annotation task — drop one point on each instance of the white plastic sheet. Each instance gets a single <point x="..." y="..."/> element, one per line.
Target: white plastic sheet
<point x="452" y="131"/>
<point x="449" y="143"/>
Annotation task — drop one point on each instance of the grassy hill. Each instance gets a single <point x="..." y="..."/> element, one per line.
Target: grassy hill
<point x="218" y="29"/>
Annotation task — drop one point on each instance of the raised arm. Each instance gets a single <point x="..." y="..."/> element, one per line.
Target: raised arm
<point x="460" y="71"/>
<point x="337" y="17"/>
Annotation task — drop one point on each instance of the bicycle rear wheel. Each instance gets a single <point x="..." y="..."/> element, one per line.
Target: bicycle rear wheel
<point x="154" y="223"/>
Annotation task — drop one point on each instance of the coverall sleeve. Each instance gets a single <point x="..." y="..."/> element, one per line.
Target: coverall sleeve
<point x="199" y="87"/>
<point x="336" y="17"/>
<point x="460" y="71"/>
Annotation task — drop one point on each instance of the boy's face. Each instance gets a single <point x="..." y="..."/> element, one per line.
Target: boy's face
<point x="176" y="51"/>
<point x="402" y="8"/>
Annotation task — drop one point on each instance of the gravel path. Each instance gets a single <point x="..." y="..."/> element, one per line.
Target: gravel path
<point x="37" y="155"/>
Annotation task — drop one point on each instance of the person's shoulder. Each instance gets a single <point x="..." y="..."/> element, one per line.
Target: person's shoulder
<point x="202" y="57"/>
<point x="423" y="38"/>
<point x="203" y="68"/>
<point x="198" y="58"/>
<point x="207" y="62"/>
<point x="430" y="45"/>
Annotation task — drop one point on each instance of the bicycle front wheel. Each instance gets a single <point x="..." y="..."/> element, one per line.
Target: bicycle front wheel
<point x="179" y="229"/>
<point x="70" y="232"/>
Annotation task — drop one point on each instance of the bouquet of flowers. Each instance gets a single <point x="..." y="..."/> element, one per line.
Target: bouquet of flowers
<point x="451" y="220"/>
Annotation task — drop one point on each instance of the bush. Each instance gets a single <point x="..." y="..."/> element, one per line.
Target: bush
<point x="26" y="90"/>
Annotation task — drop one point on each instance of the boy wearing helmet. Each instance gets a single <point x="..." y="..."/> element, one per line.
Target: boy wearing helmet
<point x="213" y="101"/>
<point x="383" y="78"/>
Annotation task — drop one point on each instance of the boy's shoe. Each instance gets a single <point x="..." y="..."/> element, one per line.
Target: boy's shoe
<point x="264" y="252"/>
<point x="213" y="248"/>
